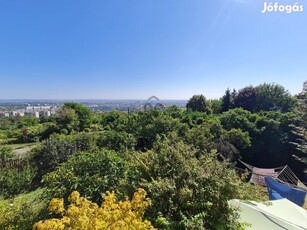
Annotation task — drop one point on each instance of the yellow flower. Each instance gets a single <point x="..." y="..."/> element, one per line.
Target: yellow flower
<point x="57" y="206"/>
<point x="74" y="197"/>
<point x="83" y="214"/>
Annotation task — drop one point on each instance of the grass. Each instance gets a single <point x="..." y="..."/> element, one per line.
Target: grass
<point x="31" y="197"/>
<point x="22" y="145"/>
<point x="21" y="149"/>
<point x="22" y="211"/>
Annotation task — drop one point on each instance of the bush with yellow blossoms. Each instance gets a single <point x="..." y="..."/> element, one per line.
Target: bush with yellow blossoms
<point x="84" y="214"/>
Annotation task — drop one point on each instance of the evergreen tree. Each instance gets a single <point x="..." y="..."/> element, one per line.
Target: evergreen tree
<point x="226" y="101"/>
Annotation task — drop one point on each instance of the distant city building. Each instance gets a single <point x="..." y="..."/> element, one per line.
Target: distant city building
<point x="32" y="114"/>
<point x="12" y="113"/>
<point x="36" y="114"/>
<point x="38" y="108"/>
<point x="20" y="114"/>
<point x="44" y="113"/>
<point x="4" y="114"/>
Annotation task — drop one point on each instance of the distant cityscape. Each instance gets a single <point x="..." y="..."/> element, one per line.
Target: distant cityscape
<point x="46" y="108"/>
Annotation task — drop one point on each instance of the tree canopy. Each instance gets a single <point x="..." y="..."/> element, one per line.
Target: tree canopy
<point x="273" y="97"/>
<point x="183" y="158"/>
<point x="199" y="103"/>
<point x="264" y="97"/>
<point x="84" y="114"/>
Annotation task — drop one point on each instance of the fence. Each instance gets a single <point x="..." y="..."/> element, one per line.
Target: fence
<point x="14" y="163"/>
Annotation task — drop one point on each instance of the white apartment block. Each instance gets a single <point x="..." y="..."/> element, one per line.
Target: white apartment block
<point x="4" y="114"/>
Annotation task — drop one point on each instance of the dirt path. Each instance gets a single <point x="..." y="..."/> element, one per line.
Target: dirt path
<point x="21" y="151"/>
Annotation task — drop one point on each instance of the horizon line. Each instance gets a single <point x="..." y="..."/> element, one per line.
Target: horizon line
<point x="32" y="99"/>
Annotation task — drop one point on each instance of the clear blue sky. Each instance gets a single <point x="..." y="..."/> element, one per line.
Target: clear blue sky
<point x="133" y="49"/>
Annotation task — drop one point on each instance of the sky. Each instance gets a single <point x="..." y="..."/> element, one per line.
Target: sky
<point x="173" y="49"/>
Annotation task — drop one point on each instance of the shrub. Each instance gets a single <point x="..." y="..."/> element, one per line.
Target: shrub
<point x="5" y="153"/>
<point x="85" y="142"/>
<point x="83" y="214"/>
<point x="14" y="181"/>
<point x="186" y="191"/>
<point x="15" y="216"/>
<point x="51" y="154"/>
<point x="89" y="173"/>
<point x="118" y="141"/>
<point x="23" y="211"/>
<point x="58" y="149"/>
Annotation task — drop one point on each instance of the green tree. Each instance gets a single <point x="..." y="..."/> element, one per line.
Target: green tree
<point x="52" y="153"/>
<point x="152" y="123"/>
<point x="37" y="132"/>
<point x="226" y="101"/>
<point x="186" y="191"/>
<point x="216" y="106"/>
<point x="271" y="134"/>
<point x="300" y="129"/>
<point x="90" y="173"/>
<point x="68" y="120"/>
<point x="118" y="141"/>
<point x="84" y="114"/>
<point x="199" y="103"/>
<point x="246" y="98"/>
<point x="48" y="129"/>
<point x="272" y="147"/>
<point x="201" y="138"/>
<point x="240" y="119"/>
<point x="273" y="97"/>
<point x="193" y="118"/>
<point x="174" y="111"/>
<point x="238" y="138"/>
<point x="57" y="149"/>
<point x="28" y="121"/>
<point x="114" y="120"/>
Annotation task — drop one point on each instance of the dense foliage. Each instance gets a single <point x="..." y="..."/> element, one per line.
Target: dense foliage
<point x="22" y="211"/>
<point x="5" y="153"/>
<point x="264" y="97"/>
<point x="187" y="191"/>
<point x="15" y="181"/>
<point x="199" y="103"/>
<point x="74" y="117"/>
<point x="57" y="149"/>
<point x="92" y="174"/>
<point x="301" y="127"/>
<point x="183" y="158"/>
<point x="83" y="214"/>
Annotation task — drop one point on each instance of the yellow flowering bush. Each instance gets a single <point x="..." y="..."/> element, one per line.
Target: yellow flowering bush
<point x="84" y="214"/>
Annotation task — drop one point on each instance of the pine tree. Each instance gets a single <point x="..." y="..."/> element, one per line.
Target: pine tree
<point x="226" y="101"/>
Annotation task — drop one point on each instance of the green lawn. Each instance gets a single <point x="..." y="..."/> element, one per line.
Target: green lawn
<point x="22" y="145"/>
<point x="23" y="209"/>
